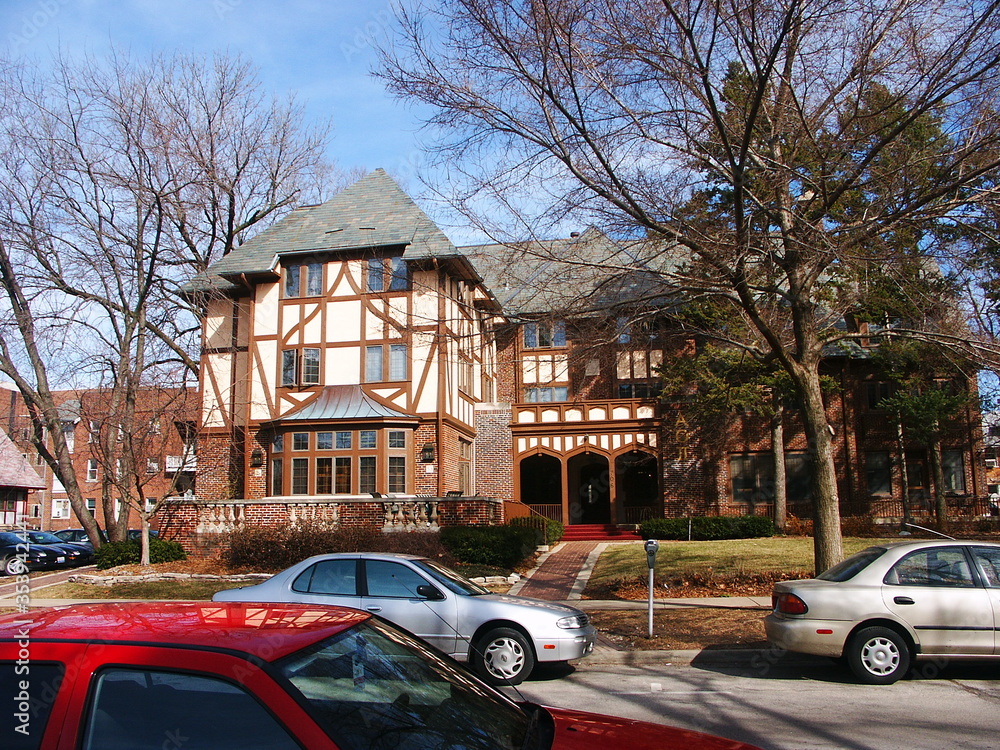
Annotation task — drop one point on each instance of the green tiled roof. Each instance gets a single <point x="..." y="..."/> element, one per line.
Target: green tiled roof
<point x="373" y="212"/>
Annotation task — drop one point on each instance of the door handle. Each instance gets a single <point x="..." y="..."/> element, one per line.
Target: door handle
<point x="374" y="609"/>
<point x="903" y="600"/>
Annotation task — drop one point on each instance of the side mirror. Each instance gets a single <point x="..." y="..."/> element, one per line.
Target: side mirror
<point x="426" y="591"/>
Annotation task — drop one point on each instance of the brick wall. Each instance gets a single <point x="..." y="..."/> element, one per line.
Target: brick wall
<point x="494" y="460"/>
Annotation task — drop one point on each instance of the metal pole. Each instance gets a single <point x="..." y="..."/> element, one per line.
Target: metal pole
<point x="650" y="602"/>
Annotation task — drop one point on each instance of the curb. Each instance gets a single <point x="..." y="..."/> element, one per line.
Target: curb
<point x="747" y="658"/>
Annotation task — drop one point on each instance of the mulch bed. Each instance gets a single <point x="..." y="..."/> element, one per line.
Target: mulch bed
<point x="690" y="584"/>
<point x="682" y="628"/>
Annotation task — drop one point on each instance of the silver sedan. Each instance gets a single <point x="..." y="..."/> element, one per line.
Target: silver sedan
<point x="891" y="604"/>
<point x="501" y="636"/>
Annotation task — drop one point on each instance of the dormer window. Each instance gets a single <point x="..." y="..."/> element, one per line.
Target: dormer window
<point x="303" y="276"/>
<point x="543" y="334"/>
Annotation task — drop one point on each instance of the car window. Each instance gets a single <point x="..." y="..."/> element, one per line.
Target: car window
<point x="451" y="580"/>
<point x="392" y="579"/>
<point x="135" y="709"/>
<point x="935" y="566"/>
<point x="335" y="577"/>
<point x="847" y="569"/>
<point x="27" y="692"/>
<point x="988" y="559"/>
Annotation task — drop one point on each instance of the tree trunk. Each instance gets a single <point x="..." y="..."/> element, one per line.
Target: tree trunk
<point x="144" y="527"/>
<point x="904" y="477"/>
<point x="940" y="501"/>
<point x="827" y="541"/>
<point x="780" y="484"/>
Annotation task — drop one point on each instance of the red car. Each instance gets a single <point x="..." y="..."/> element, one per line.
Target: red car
<point x="199" y="676"/>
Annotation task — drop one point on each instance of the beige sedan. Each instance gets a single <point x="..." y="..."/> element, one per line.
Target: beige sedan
<point x="890" y="604"/>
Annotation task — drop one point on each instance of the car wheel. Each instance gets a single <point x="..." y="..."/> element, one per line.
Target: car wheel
<point x="878" y="656"/>
<point x="503" y="656"/>
<point x="13" y="566"/>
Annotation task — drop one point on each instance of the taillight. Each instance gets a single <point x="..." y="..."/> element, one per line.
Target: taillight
<point x="788" y="604"/>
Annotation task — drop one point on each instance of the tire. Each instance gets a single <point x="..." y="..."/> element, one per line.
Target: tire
<point x="503" y="656"/>
<point x="878" y="656"/>
<point x="13" y="566"/>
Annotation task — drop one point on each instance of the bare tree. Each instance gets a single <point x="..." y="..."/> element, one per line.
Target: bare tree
<point x="771" y="154"/>
<point x="121" y="180"/>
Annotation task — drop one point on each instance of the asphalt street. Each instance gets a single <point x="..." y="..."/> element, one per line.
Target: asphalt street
<point x="790" y="704"/>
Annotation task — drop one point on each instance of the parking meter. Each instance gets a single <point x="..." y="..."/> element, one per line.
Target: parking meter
<point x="651" y="546"/>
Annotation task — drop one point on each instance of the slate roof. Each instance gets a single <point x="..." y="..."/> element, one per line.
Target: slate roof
<point x="373" y="212"/>
<point x="345" y="403"/>
<point x="14" y="470"/>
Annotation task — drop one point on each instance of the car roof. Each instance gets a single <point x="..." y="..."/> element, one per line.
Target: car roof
<point x="267" y="631"/>
<point x="933" y="543"/>
<point x="368" y="556"/>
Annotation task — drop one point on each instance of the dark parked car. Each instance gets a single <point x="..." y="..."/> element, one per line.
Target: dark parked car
<point x="215" y="676"/>
<point x="80" y="535"/>
<point x="17" y="553"/>
<point x="77" y="553"/>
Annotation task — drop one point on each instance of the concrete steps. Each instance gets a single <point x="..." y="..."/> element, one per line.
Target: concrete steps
<point x="597" y="532"/>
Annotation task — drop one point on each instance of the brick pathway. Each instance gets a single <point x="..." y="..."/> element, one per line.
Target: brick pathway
<point x="554" y="578"/>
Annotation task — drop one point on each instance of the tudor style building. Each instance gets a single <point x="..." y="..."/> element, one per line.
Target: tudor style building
<point x="354" y="357"/>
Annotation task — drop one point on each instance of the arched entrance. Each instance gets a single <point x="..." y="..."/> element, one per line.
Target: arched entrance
<point x="589" y="481"/>
<point x="541" y="480"/>
<point x="637" y="486"/>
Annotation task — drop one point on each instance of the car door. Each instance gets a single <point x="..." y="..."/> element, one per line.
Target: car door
<point x="988" y="561"/>
<point x="329" y="582"/>
<point x="935" y="591"/>
<point x="392" y="593"/>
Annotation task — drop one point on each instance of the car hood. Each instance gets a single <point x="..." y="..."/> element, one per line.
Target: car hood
<point x="586" y="731"/>
<point x="524" y="601"/>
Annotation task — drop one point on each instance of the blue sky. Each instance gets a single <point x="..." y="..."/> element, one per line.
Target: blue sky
<point x="320" y="50"/>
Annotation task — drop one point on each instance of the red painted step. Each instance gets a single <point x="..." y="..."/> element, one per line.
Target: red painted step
<point x="597" y="532"/>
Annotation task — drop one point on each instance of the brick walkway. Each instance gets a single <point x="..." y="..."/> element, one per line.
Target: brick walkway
<point x="554" y="578"/>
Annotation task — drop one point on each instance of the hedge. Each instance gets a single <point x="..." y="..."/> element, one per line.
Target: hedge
<point x="549" y="531"/>
<point x="267" y="548"/>
<point x="113" y="554"/>
<point x="707" y="528"/>
<point x="496" y="546"/>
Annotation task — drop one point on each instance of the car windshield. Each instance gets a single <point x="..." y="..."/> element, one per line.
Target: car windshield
<point x="44" y="537"/>
<point x="846" y="570"/>
<point x="375" y="687"/>
<point x="451" y="580"/>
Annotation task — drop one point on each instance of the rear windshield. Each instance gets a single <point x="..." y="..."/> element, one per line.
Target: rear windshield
<point x="853" y="565"/>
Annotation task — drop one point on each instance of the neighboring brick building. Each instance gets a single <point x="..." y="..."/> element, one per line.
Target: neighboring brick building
<point x="351" y="353"/>
<point x="165" y="441"/>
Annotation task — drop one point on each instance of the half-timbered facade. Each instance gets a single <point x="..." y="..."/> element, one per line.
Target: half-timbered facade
<point x="352" y="352"/>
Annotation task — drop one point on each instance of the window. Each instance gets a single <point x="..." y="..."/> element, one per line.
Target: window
<point x="367" y="466"/>
<point x="544" y="395"/>
<point x="300" y="476"/>
<point x="752" y="478"/>
<point x="94" y="431"/>
<point x="953" y="468"/>
<point x="60" y="508"/>
<point x="300" y="367"/>
<point x="542" y="333"/>
<point x="152" y="465"/>
<point x="69" y="435"/>
<point x="466" y="375"/>
<point x="392" y="579"/>
<point x="398" y="362"/>
<point x="324" y="441"/>
<point x="91" y="469"/>
<point x="336" y="577"/>
<point x="91" y="504"/>
<point x="278" y="444"/>
<point x="324" y="476"/>
<point x="875" y="393"/>
<point x="300" y="441"/>
<point x="639" y="390"/>
<point x="373" y="364"/>
<point x="397" y="439"/>
<point x="308" y="276"/>
<point x="936" y="566"/>
<point x="376" y="275"/>
<point x="138" y="708"/>
<point x="277" y="477"/>
<point x="289" y="366"/>
<point x="367" y="439"/>
<point x="397" y="474"/>
<point x="465" y="466"/>
<point x="310" y="366"/>
<point x="44" y="679"/>
<point x="343" y="475"/>
<point x="400" y="279"/>
<point x="798" y="478"/>
<point x="344" y="440"/>
<point x="878" y="471"/>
